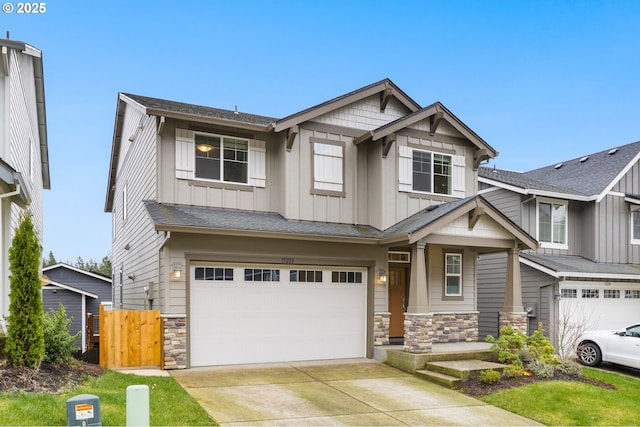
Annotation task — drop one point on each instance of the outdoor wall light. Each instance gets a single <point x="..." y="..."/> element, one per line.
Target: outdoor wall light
<point x="177" y="271"/>
<point x="382" y="276"/>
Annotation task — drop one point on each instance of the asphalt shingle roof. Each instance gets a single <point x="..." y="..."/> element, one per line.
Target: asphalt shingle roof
<point x="587" y="175"/>
<point x="200" y="111"/>
<point x="576" y="264"/>
<point x="170" y="215"/>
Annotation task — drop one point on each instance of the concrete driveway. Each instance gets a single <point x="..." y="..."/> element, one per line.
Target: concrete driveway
<point x="352" y="392"/>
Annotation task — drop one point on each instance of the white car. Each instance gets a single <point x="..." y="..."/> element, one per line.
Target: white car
<point x="621" y="347"/>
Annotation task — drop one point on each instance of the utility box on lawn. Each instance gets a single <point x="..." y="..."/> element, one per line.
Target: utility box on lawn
<point x="83" y="410"/>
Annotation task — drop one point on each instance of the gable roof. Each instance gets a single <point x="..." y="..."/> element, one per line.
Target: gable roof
<point x="77" y="270"/>
<point x="207" y="220"/>
<point x="54" y="284"/>
<point x="434" y="110"/>
<point x="587" y="177"/>
<point x="41" y="111"/>
<point x="564" y="266"/>
<point x="385" y="87"/>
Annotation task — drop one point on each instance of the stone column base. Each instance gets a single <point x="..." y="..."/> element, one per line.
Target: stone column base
<point x="418" y="332"/>
<point x="517" y="320"/>
<point x="175" y="343"/>
<point x="381" y="328"/>
<point x="455" y="327"/>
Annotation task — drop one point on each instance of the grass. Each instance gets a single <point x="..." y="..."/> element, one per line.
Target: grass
<point x="169" y="404"/>
<point x="575" y="403"/>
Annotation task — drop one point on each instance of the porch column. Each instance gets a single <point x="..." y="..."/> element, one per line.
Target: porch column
<point x="418" y="296"/>
<point x="512" y="312"/>
<point x="418" y="323"/>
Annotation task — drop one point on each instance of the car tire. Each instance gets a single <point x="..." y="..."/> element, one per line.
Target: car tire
<point x="589" y="354"/>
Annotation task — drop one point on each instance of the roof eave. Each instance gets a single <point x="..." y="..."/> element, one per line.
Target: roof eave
<point x="208" y="120"/>
<point x="265" y="234"/>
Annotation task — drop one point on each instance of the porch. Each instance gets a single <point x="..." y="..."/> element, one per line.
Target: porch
<point x="448" y="364"/>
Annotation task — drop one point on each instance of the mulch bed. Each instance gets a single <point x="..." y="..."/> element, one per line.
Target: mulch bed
<point x="476" y="388"/>
<point x="48" y="378"/>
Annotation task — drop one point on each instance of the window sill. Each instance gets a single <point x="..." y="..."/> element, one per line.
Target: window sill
<point x="546" y="245"/>
<point x="224" y="185"/>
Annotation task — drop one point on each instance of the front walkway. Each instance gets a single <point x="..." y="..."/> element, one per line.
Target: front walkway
<point x="344" y="392"/>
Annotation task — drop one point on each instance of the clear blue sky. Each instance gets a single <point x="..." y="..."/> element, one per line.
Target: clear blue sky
<point x="541" y="81"/>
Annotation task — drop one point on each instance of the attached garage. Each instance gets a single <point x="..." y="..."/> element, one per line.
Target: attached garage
<point x="249" y="313"/>
<point x="600" y="305"/>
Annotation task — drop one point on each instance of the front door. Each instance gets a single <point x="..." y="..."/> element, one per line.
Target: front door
<point x="397" y="301"/>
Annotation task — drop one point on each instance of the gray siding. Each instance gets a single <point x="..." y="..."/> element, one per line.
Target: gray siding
<point x="135" y="244"/>
<point x="505" y="201"/>
<point x="492" y="274"/>
<point x="72" y="302"/>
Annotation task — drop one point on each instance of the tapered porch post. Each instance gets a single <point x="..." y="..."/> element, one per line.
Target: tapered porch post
<point x="512" y="312"/>
<point x="418" y="323"/>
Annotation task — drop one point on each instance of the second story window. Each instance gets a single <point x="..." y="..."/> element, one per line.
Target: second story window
<point x="221" y="158"/>
<point x="635" y="227"/>
<point x="328" y="165"/>
<point x="552" y="224"/>
<point x="431" y="172"/>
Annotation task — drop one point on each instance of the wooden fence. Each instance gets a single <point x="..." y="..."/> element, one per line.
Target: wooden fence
<point x="130" y="338"/>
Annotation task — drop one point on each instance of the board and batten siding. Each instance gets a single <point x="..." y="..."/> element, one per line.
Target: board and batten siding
<point x="179" y="185"/>
<point x="437" y="301"/>
<point x="136" y="244"/>
<point x="505" y="201"/>
<point x="305" y="203"/>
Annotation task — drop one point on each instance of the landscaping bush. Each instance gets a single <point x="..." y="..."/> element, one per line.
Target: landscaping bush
<point x="509" y="344"/>
<point x="59" y="344"/>
<point x="3" y="341"/>
<point x="570" y="367"/>
<point x="514" y="370"/>
<point x="540" y="348"/>
<point x="489" y="376"/>
<point x="541" y="368"/>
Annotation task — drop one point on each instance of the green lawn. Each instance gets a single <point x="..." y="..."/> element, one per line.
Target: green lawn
<point x="169" y="404"/>
<point x="575" y="403"/>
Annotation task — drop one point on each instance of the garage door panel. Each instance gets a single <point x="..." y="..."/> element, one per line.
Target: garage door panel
<point x="268" y="321"/>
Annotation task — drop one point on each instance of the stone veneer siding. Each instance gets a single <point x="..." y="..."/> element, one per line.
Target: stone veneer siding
<point x="517" y="320"/>
<point x="455" y="327"/>
<point x="418" y="332"/>
<point x="175" y="343"/>
<point x="381" y="328"/>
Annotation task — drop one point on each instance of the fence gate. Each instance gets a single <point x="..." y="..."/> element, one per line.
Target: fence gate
<point x="130" y="338"/>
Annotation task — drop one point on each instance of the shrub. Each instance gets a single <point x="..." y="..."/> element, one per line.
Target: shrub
<point x="3" y="342"/>
<point x="541" y="369"/>
<point x="25" y="340"/>
<point x="513" y="371"/>
<point x="489" y="376"/>
<point x="540" y="348"/>
<point x="509" y="344"/>
<point x="570" y="367"/>
<point x="59" y="344"/>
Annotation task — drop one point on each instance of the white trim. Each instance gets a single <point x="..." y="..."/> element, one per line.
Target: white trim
<point x="406" y="172"/>
<point x="222" y="159"/>
<point x="447" y="274"/>
<point x="622" y="173"/>
<point x="552" y="245"/>
<point x="632" y="228"/>
<point x="84" y="323"/>
<point x="563" y="274"/>
<point x="57" y="285"/>
<point x="77" y="270"/>
<point x="532" y="192"/>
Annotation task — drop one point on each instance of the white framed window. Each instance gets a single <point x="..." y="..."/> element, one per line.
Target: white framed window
<point x="635" y="227"/>
<point x="221" y="158"/>
<point x="590" y="293"/>
<point x="328" y="165"/>
<point x="611" y="294"/>
<point x="453" y="275"/>
<point x="552" y="224"/>
<point x="432" y="172"/>
<point x="569" y="293"/>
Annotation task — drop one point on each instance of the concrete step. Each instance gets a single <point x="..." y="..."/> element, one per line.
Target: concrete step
<point x="463" y="369"/>
<point x="440" y="379"/>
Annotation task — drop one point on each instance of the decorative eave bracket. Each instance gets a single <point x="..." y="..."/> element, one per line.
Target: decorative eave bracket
<point x="292" y="132"/>
<point x="387" y="142"/>
<point x="434" y="122"/>
<point x="385" y="95"/>
<point x="479" y="156"/>
<point x="474" y="216"/>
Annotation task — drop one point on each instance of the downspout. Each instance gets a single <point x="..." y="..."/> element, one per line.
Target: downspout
<point x="84" y="323"/>
<point x="167" y="236"/>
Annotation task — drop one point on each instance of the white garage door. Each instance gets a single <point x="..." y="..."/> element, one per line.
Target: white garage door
<point x="600" y="306"/>
<point x="256" y="313"/>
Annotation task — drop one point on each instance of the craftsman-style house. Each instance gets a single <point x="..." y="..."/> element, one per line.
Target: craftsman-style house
<point x="350" y="224"/>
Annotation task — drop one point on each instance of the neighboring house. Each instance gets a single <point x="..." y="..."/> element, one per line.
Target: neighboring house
<point x="585" y="213"/>
<point x="81" y="292"/>
<point x="350" y="224"/>
<point x="24" y="158"/>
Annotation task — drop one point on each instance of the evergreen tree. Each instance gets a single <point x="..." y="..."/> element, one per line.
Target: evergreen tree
<point x="25" y="338"/>
<point x="50" y="261"/>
